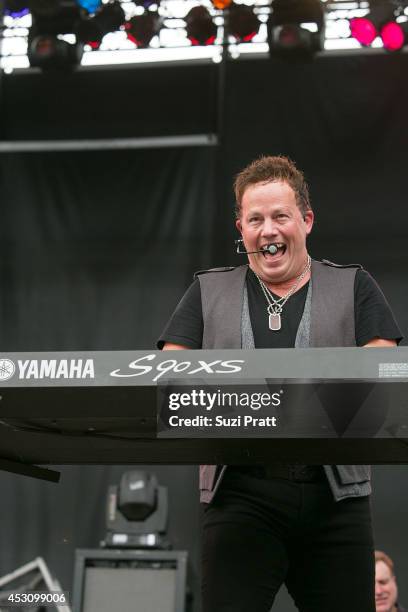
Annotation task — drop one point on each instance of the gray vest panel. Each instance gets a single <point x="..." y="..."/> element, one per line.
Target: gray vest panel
<point x="331" y="311"/>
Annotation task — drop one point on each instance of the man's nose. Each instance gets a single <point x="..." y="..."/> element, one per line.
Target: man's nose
<point x="269" y="228"/>
<point x="378" y="588"/>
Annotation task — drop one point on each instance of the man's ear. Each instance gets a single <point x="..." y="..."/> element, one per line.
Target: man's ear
<point x="238" y="225"/>
<point x="308" y="219"/>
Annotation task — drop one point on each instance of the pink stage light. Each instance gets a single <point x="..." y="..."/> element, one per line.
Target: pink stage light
<point x="393" y="36"/>
<point x="363" y="30"/>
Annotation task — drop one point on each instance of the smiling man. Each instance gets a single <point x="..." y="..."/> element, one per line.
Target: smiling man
<point x="303" y="525"/>
<point x="270" y="216"/>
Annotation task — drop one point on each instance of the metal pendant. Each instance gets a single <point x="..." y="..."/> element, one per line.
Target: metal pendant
<point x="274" y="322"/>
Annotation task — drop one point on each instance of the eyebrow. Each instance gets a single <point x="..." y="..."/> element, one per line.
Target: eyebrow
<point x="257" y="211"/>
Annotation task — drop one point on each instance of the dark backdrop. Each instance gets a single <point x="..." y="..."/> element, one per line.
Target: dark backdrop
<point x="98" y="247"/>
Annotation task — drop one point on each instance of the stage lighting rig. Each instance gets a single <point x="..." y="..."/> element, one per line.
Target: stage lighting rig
<point x="200" y="27"/>
<point x="142" y="28"/>
<point x="137" y="512"/>
<point x="296" y="28"/>
<point x="385" y="19"/>
<point x="243" y="24"/>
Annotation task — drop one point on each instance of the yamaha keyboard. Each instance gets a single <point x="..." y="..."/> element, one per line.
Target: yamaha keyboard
<point x="343" y="405"/>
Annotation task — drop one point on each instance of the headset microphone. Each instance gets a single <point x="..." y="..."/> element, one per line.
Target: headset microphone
<point x="271" y="248"/>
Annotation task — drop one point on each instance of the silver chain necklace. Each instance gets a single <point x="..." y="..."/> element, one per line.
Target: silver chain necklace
<point x="275" y="306"/>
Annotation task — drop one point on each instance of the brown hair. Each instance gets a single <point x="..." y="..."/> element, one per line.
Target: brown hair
<point x="269" y="169"/>
<point x="381" y="556"/>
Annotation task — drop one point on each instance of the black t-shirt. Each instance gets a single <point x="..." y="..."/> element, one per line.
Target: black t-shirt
<point x="373" y="316"/>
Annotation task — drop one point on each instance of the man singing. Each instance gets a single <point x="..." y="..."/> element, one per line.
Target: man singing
<point x="306" y="526"/>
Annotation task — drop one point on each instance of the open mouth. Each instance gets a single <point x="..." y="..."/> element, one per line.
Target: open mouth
<point x="268" y="252"/>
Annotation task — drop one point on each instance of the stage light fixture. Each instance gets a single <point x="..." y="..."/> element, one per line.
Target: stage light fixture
<point x="16" y="8"/>
<point x="46" y="47"/>
<point x="296" y="28"/>
<point x="91" y="6"/>
<point x="392" y="36"/>
<point x="142" y="28"/>
<point x="137" y="512"/>
<point x="201" y="29"/>
<point x="243" y="24"/>
<point x="48" y="52"/>
<point x="221" y="4"/>
<point x="109" y="18"/>
<point x="291" y="38"/>
<point x="363" y="30"/>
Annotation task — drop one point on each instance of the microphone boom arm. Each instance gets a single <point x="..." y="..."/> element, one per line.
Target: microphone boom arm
<point x="271" y="248"/>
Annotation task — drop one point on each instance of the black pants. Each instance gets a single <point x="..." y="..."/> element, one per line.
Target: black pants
<point x="259" y="534"/>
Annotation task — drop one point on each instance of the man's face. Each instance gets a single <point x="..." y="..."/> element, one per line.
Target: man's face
<point x="269" y="214"/>
<point x="386" y="591"/>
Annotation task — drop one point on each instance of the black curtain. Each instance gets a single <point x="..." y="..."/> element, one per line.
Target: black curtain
<point x="97" y="247"/>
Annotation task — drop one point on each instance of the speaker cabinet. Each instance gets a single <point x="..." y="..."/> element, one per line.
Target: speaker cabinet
<point x="106" y="580"/>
